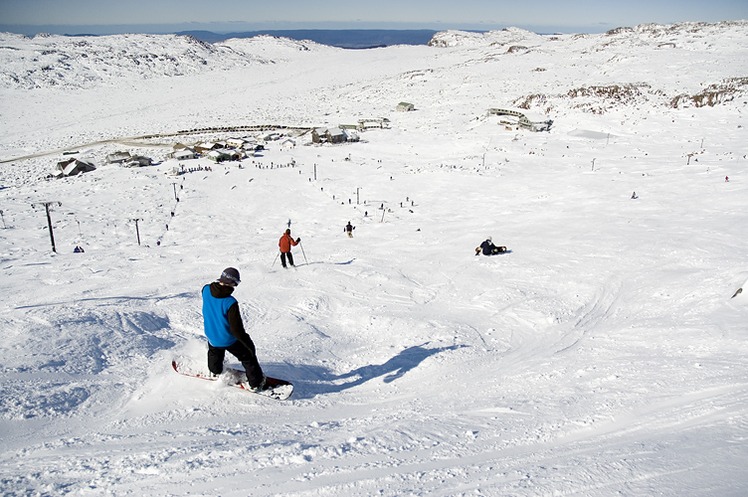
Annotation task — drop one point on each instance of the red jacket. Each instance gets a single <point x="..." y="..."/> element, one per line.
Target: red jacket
<point x="286" y="242"/>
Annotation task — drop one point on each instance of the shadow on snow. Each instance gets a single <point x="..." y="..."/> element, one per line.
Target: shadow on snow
<point x="342" y="263"/>
<point x="310" y="381"/>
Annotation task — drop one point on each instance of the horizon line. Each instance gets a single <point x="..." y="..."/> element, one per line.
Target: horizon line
<point x="220" y="27"/>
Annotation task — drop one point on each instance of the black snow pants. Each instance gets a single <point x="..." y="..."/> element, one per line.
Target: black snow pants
<point x="246" y="356"/>
<point x="285" y="255"/>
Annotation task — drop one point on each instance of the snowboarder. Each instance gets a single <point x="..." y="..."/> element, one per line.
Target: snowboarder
<point x="285" y="243"/>
<point x="634" y="196"/>
<point x="488" y="248"/>
<point x="349" y="229"/>
<point x="225" y="330"/>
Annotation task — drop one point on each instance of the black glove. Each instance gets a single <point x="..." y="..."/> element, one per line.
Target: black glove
<point x="298" y="239"/>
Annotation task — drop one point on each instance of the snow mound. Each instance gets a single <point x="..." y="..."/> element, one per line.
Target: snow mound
<point x="586" y="133"/>
<point x="274" y="46"/>
<point x="508" y="36"/>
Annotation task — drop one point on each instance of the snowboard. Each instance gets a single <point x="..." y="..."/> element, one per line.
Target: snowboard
<point x="274" y="388"/>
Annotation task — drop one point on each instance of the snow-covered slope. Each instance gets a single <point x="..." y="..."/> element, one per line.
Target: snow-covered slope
<point x="84" y="61"/>
<point x="604" y="355"/>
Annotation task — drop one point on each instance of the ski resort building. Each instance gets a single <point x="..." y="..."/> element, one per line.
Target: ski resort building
<point x="523" y="120"/>
<point x="381" y="123"/>
<point x="185" y="154"/>
<point x="329" y="135"/>
<point x="118" y="157"/>
<point x="236" y="142"/>
<point x="72" y="167"/>
<point x="222" y="154"/>
<point x="138" y="161"/>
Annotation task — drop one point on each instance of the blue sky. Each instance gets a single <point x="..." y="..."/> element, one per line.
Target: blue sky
<point x="230" y="15"/>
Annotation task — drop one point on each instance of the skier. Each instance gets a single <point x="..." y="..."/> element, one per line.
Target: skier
<point x="488" y="248"/>
<point x="349" y="229"/>
<point x="285" y="243"/>
<point x="225" y="330"/>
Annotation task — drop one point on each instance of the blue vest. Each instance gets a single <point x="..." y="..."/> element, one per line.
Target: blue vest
<point x="215" y="318"/>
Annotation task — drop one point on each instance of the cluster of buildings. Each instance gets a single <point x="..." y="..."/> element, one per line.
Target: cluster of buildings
<point x="230" y="149"/>
<point x="235" y="149"/>
<point x="75" y="165"/>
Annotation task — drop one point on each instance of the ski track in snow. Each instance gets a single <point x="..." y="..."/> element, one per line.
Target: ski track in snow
<point x="602" y="356"/>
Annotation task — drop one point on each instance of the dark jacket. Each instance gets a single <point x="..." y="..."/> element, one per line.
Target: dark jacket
<point x="487" y="247"/>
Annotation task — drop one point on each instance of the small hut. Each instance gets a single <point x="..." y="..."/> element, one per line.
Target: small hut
<point x="72" y="167"/>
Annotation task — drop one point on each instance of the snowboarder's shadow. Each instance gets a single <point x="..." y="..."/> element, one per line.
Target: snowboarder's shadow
<point x="328" y="382"/>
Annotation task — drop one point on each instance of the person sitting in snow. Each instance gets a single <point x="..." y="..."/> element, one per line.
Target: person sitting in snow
<point x="488" y="248"/>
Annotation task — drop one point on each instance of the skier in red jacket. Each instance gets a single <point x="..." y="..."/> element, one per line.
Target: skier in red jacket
<point x="285" y="243"/>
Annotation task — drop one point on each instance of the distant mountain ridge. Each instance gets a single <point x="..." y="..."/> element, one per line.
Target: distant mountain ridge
<point x="596" y="73"/>
<point x="341" y="38"/>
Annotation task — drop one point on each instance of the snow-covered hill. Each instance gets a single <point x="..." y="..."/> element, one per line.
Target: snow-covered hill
<point x="605" y="355"/>
<point x="46" y="61"/>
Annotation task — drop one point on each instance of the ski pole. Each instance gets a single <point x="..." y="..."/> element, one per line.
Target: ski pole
<point x="276" y="258"/>
<point x="302" y="252"/>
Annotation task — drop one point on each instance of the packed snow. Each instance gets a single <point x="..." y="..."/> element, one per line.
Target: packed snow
<point x="605" y="354"/>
